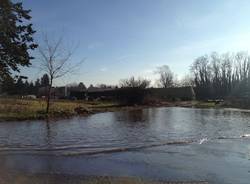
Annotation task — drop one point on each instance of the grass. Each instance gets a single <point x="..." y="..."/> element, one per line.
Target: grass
<point x="202" y="104"/>
<point x="23" y="109"/>
<point x="12" y="109"/>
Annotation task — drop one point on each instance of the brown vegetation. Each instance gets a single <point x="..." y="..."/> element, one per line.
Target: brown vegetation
<point x="23" y="109"/>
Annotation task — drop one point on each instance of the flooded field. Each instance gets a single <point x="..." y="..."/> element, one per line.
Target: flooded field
<point x="163" y="144"/>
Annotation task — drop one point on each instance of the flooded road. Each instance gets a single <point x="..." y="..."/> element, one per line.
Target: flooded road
<point x="173" y="144"/>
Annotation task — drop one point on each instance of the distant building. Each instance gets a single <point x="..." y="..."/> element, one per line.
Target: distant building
<point x="61" y="92"/>
<point x="182" y="93"/>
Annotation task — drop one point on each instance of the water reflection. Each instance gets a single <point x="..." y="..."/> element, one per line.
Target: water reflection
<point x="132" y="117"/>
<point x="124" y="129"/>
<point x="49" y="136"/>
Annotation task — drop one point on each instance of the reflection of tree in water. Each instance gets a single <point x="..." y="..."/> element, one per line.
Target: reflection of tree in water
<point x="136" y="116"/>
<point x="133" y="117"/>
<point x="48" y="161"/>
<point x="48" y="137"/>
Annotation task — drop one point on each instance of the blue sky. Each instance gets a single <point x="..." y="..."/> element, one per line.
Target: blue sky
<point x="121" y="38"/>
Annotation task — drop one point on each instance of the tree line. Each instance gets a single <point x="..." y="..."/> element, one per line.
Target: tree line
<point x="20" y="85"/>
<point x="221" y="75"/>
<point x="214" y="76"/>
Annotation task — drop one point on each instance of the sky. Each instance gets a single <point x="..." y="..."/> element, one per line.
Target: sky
<point x="123" y="38"/>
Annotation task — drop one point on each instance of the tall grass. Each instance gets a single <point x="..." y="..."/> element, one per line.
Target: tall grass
<point x="19" y="109"/>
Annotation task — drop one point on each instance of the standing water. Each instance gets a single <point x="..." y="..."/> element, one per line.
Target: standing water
<point x="157" y="143"/>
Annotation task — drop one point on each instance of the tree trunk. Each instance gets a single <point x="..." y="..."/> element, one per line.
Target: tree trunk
<point x="49" y="96"/>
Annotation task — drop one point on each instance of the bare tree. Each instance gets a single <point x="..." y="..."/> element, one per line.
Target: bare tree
<point x="222" y="75"/>
<point x="201" y="69"/>
<point x="134" y="83"/>
<point x="166" y="78"/>
<point x="55" y="62"/>
<point x="187" y="80"/>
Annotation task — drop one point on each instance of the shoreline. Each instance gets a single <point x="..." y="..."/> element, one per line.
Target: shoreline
<point x="65" y="115"/>
<point x="79" y="108"/>
<point x="68" y="109"/>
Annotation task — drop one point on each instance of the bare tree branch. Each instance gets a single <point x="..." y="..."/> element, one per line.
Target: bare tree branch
<point x="56" y="62"/>
<point x="166" y="76"/>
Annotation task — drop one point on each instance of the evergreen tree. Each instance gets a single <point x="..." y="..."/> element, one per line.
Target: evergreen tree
<point x="45" y="80"/>
<point x="8" y="85"/>
<point x="37" y="86"/>
<point x="19" y="86"/>
<point x="31" y="88"/>
<point x="37" y="83"/>
<point x="82" y="86"/>
<point x="15" y="38"/>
